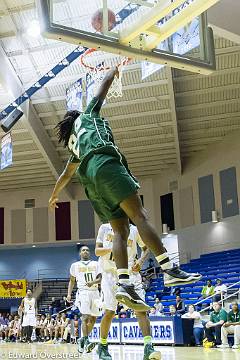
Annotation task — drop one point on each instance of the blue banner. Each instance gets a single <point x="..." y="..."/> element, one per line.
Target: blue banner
<point x="6" y="151"/>
<point x="162" y="332"/>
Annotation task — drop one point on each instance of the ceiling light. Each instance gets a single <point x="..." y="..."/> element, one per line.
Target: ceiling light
<point x="165" y="229"/>
<point x="215" y="216"/>
<point x="34" y="29"/>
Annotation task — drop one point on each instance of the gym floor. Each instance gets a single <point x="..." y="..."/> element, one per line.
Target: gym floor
<point x="119" y="352"/>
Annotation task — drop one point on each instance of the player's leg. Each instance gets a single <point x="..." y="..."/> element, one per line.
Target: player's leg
<point x="108" y="287"/>
<point x="126" y="293"/>
<point x="85" y="321"/>
<point x="132" y="206"/>
<point x="104" y="330"/>
<point x="89" y="346"/>
<point x="144" y="323"/>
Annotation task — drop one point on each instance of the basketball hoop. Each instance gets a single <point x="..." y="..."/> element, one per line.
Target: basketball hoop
<point x="98" y="68"/>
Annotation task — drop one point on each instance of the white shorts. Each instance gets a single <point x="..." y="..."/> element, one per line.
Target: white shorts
<point x="109" y="289"/>
<point x="89" y="302"/>
<point x="29" y="320"/>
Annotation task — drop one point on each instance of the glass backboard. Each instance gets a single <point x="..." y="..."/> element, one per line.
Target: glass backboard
<point x="168" y="32"/>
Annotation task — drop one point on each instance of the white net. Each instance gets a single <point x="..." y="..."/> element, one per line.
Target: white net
<point x="98" y="64"/>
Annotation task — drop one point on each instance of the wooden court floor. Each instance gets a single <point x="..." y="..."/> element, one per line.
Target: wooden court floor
<point x="119" y="352"/>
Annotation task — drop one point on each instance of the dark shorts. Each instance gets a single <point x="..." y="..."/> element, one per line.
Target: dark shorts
<point x="107" y="186"/>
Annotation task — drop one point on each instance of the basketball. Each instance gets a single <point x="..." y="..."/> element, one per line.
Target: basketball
<point x="97" y="20"/>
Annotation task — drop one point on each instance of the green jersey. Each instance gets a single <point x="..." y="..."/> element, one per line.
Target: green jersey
<point x="234" y="317"/>
<point x="91" y="135"/>
<point x="218" y="316"/>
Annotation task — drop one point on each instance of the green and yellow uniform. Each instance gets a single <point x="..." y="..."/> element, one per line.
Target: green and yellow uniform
<point x="215" y="317"/>
<point x="103" y="170"/>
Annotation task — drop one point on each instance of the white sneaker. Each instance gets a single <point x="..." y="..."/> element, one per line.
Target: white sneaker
<point x="223" y="346"/>
<point x="236" y="347"/>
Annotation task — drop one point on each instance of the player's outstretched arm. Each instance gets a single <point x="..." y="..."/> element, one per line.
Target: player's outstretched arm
<point x="63" y="180"/>
<point x="106" y="83"/>
<point x="70" y="287"/>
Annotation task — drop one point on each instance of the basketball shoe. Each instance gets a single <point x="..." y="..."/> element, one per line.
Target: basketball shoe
<point x="127" y="295"/>
<point x="176" y="276"/>
<point x="150" y="353"/>
<point x="103" y="353"/>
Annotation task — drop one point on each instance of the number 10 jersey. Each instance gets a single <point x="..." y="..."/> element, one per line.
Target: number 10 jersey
<point x="84" y="272"/>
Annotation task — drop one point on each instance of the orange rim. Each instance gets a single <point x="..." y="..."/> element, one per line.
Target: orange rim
<point x="93" y="68"/>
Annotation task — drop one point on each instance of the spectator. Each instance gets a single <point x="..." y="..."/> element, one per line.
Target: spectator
<point x="220" y="291"/>
<point x="119" y="308"/>
<point x="39" y="328"/>
<point x="180" y="307"/>
<point x="152" y="312"/>
<point x="213" y="327"/>
<point x="232" y="326"/>
<point x="53" y="307"/>
<point x="207" y="290"/>
<point x="172" y="310"/>
<point x="63" y="303"/>
<point x="158" y="306"/>
<point x="176" y="291"/>
<point x="192" y="314"/>
<point x="122" y="314"/>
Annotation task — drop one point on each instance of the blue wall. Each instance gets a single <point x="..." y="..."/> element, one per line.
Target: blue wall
<point x="14" y="263"/>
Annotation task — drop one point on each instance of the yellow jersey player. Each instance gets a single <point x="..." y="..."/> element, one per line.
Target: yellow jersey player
<point x="28" y="307"/>
<point x="85" y="272"/>
<point x="104" y="244"/>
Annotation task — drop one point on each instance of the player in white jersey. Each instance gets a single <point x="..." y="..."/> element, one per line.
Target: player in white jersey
<point x="28" y="307"/>
<point x="85" y="273"/>
<point x="108" y="268"/>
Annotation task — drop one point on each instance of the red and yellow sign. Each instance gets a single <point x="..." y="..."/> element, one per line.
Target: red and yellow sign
<point x="13" y="288"/>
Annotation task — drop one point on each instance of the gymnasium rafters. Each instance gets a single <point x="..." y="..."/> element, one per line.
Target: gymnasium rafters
<point x="159" y="123"/>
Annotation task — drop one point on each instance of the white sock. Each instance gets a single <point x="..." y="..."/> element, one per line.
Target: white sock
<point x="164" y="261"/>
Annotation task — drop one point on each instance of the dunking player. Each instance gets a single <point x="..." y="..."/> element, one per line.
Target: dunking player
<point x="28" y="308"/>
<point x="112" y="190"/>
<point x="104" y="245"/>
<point x="85" y="272"/>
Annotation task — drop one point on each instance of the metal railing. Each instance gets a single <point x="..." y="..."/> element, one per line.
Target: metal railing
<point x="50" y="274"/>
<point x="222" y="298"/>
<point x="12" y="276"/>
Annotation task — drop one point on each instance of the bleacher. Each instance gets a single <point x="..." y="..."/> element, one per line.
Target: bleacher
<point x="224" y="265"/>
<point x="52" y="288"/>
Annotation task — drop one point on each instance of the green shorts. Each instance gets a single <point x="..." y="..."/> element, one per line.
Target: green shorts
<point x="107" y="186"/>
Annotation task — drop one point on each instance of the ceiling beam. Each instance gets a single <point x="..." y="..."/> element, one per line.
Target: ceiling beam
<point x="110" y="105"/>
<point x="174" y="118"/>
<point x="125" y="87"/>
<point x="207" y="90"/>
<point x="32" y="122"/>
<point x="218" y="73"/>
<point x="25" y="168"/>
<point x="201" y="106"/>
<point x="27" y="186"/>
